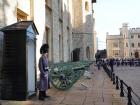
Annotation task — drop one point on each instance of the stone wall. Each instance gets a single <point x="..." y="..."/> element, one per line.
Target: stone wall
<point x="83" y="26"/>
<point x="7" y="12"/>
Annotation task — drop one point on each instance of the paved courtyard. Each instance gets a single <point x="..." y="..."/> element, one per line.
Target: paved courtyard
<point x="98" y="90"/>
<point x="130" y="75"/>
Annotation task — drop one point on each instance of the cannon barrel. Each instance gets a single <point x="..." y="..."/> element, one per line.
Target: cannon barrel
<point x="63" y="75"/>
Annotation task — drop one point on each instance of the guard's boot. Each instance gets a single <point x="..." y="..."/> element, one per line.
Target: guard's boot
<point x="41" y="95"/>
<point x="44" y="95"/>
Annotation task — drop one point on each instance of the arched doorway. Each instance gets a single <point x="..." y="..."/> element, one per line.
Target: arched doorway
<point x="88" y="53"/>
<point x="136" y="54"/>
<point x="76" y="54"/>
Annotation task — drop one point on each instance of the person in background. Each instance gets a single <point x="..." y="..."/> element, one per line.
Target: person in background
<point x="44" y="73"/>
<point x="111" y="64"/>
<point x="98" y="64"/>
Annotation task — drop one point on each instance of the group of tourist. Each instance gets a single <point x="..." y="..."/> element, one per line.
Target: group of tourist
<point x="118" y="62"/>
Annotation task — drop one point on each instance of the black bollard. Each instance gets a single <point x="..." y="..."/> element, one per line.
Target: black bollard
<point x="113" y="78"/>
<point x="117" y="83"/>
<point x="121" y="87"/>
<point x="129" y="96"/>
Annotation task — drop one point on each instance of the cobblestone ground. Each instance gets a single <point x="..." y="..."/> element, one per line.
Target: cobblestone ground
<point x="98" y="90"/>
<point x="131" y="76"/>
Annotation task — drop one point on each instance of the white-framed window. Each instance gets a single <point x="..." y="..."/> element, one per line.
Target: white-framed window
<point x="138" y="35"/>
<point x="115" y="44"/>
<point x="132" y="36"/>
<point x="132" y="45"/>
<point x="126" y="44"/>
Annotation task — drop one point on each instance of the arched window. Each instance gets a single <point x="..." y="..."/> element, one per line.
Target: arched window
<point x="86" y="6"/>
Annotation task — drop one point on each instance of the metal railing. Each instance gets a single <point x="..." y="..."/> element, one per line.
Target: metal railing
<point x="120" y="84"/>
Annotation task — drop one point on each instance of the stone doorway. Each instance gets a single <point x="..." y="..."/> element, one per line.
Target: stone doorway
<point x="76" y="54"/>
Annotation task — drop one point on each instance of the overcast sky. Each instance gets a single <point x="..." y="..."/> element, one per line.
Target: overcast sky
<point x="110" y="14"/>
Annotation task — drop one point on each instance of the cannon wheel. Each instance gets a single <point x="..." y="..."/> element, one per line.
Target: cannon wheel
<point x="62" y="77"/>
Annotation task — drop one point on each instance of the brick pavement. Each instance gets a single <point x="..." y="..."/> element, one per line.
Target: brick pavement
<point x="98" y="90"/>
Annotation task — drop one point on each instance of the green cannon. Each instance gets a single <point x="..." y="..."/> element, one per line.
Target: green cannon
<point x="64" y="75"/>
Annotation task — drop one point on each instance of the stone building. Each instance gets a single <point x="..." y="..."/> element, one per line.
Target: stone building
<point x="83" y="30"/>
<point x="66" y="25"/>
<point x="125" y="45"/>
<point x="113" y="46"/>
<point x="134" y="42"/>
